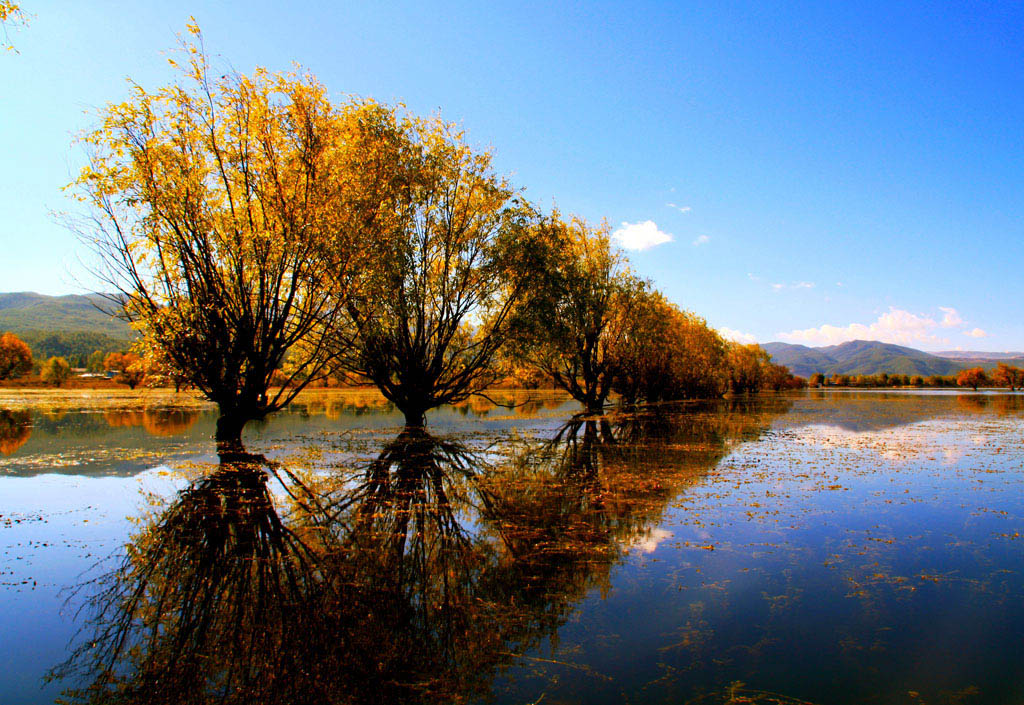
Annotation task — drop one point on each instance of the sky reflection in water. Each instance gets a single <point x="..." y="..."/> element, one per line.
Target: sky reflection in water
<point x="824" y="547"/>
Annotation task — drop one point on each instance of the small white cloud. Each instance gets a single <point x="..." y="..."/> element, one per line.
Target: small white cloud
<point x="640" y="236"/>
<point x="681" y="209"/>
<point x="839" y="283"/>
<point x="950" y="318"/>
<point x="778" y="286"/>
<point x="700" y="240"/>
<point x="736" y="336"/>
<point x="976" y="333"/>
<point x="897" y="326"/>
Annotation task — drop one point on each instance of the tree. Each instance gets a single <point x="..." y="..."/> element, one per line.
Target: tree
<point x="452" y="254"/>
<point x="747" y="365"/>
<point x="1008" y="376"/>
<point x="816" y="380"/>
<point x="15" y="430"/>
<point x="94" y="363"/>
<point x="129" y="367"/>
<point x="210" y="201"/>
<point x="580" y="318"/>
<point x="778" y="377"/>
<point x="668" y="353"/>
<point x="15" y="356"/>
<point x="972" y="377"/>
<point x="55" y="371"/>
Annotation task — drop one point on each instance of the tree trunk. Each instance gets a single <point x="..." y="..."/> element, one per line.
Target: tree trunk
<point x="415" y="417"/>
<point x="229" y="431"/>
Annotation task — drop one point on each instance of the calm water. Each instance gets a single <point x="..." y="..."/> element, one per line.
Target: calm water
<point x="815" y="548"/>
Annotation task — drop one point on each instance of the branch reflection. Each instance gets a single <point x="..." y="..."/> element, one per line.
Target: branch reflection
<point x="416" y="578"/>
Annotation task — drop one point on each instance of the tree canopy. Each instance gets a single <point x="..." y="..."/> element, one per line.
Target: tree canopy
<point x="211" y="199"/>
<point x="15" y="356"/>
<point x="581" y="315"/>
<point x="451" y="256"/>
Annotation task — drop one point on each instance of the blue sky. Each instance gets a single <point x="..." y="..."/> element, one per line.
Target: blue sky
<point x="835" y="170"/>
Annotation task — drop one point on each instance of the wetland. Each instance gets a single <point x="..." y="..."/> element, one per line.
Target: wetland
<point x="805" y="547"/>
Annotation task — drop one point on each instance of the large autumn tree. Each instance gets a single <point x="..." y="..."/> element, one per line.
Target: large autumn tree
<point x="452" y="254"/>
<point x="581" y="315"/>
<point x="210" y="200"/>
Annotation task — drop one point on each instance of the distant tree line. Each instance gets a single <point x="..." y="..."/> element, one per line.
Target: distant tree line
<point x="73" y="346"/>
<point x="1003" y="376"/>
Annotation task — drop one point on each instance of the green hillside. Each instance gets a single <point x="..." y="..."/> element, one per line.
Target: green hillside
<point x="861" y="357"/>
<point x="70" y="326"/>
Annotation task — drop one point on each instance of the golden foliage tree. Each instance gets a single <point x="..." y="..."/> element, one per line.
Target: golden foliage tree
<point x="973" y="377"/>
<point x="211" y="199"/>
<point x="1008" y="376"/>
<point x="580" y="319"/>
<point x="747" y="367"/>
<point x="15" y="356"/>
<point x="668" y="354"/>
<point x="451" y="261"/>
<point x="55" y="371"/>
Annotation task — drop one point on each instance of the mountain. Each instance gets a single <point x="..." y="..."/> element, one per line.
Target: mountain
<point x="70" y="326"/>
<point x="861" y="357"/>
<point x="28" y="311"/>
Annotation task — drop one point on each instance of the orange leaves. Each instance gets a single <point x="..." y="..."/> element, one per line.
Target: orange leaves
<point x="15" y="356"/>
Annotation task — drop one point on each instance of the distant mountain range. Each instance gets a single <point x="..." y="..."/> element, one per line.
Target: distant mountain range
<point x="869" y="357"/>
<point x="70" y="326"/>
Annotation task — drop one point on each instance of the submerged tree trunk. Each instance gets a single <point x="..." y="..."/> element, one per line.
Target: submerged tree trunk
<point x="415" y="417"/>
<point x="229" y="431"/>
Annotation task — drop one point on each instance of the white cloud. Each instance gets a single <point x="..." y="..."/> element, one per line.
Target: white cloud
<point x="794" y="285"/>
<point x="681" y="209"/>
<point x="976" y="333"/>
<point x="897" y="326"/>
<point x="640" y="236"/>
<point x="700" y="240"/>
<point x="736" y="336"/>
<point x="950" y="318"/>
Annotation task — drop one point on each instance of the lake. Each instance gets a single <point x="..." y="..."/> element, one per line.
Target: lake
<point x="814" y="547"/>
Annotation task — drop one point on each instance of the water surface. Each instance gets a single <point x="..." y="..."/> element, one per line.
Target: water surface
<point x="850" y="547"/>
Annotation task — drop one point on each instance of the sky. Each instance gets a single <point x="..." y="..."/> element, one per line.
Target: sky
<point x="804" y="172"/>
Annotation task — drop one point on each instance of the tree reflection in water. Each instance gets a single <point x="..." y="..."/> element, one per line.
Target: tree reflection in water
<point x="213" y="601"/>
<point x="15" y="430"/>
<point x="418" y="577"/>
